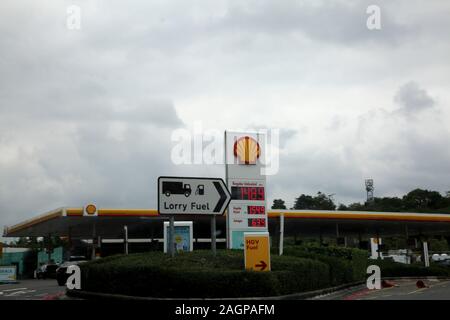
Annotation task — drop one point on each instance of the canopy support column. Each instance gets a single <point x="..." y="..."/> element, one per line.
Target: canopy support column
<point x="93" y="242"/>
<point x="281" y="241"/>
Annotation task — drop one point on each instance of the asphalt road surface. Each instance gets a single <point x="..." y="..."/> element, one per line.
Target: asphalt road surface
<point x="32" y="289"/>
<point x="402" y="290"/>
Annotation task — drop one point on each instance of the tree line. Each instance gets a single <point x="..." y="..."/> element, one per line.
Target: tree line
<point x="417" y="200"/>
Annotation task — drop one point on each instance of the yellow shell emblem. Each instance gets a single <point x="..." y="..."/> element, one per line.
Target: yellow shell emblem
<point x="247" y="150"/>
<point x="91" y="209"/>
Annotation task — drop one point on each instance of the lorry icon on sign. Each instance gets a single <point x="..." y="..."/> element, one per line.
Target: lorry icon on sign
<point x="176" y="187"/>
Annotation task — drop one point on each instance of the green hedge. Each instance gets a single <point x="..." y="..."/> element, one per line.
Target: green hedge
<point x="199" y="274"/>
<point x="345" y="264"/>
<point x="395" y="269"/>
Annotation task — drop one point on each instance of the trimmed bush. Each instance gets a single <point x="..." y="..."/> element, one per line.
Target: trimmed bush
<point x="395" y="269"/>
<point x="345" y="264"/>
<point x="302" y="274"/>
<point x="200" y="274"/>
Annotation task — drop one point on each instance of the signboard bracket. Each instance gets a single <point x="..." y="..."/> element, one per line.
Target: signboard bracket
<point x="172" y="236"/>
<point x="213" y="234"/>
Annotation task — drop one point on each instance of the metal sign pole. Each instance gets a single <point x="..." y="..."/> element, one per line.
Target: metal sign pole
<point x="126" y="239"/>
<point x="213" y="234"/>
<point x="172" y="236"/>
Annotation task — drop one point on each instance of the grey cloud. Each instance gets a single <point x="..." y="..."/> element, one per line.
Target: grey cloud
<point x="402" y="151"/>
<point x="338" y="22"/>
<point x="399" y="153"/>
<point x="412" y="98"/>
<point x="285" y="134"/>
<point x="75" y="167"/>
<point x="313" y="170"/>
<point x="162" y="114"/>
<point x="336" y="123"/>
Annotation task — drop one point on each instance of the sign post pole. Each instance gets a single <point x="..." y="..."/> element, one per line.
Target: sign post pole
<point x="125" y="240"/>
<point x="213" y="234"/>
<point x="172" y="236"/>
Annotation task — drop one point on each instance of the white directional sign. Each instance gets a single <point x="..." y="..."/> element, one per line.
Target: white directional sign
<point x="188" y="195"/>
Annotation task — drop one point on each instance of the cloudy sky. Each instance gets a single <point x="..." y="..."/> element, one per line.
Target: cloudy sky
<point x="86" y="115"/>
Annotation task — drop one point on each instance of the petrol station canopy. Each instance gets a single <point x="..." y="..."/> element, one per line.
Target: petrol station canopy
<point x="148" y="223"/>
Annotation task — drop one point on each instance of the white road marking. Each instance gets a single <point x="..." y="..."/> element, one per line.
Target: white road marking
<point x="15" y="289"/>
<point x="14" y="293"/>
<point x="19" y="292"/>
<point x="443" y="284"/>
<point x="417" y="291"/>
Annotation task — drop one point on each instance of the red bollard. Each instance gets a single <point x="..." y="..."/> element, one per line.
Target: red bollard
<point x="420" y="284"/>
<point x="387" y="284"/>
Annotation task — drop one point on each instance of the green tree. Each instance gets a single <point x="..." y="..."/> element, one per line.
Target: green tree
<point x="356" y="206"/>
<point x="278" y="204"/>
<point x="437" y="245"/>
<point x="418" y="200"/>
<point x="384" y="204"/>
<point x="320" y="202"/>
<point x="422" y="199"/>
<point x="304" y="202"/>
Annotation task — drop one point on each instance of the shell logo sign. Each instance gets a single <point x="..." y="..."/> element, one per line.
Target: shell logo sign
<point x="247" y="150"/>
<point x="90" y="210"/>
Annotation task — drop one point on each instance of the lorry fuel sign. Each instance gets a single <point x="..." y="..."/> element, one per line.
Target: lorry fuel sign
<point x="189" y="195"/>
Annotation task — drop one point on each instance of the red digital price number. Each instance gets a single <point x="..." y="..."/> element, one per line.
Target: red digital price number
<point x="257" y="222"/>
<point x="256" y="210"/>
<point x="247" y="193"/>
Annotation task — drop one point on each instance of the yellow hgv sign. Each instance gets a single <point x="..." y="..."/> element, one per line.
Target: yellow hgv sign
<point x="257" y="251"/>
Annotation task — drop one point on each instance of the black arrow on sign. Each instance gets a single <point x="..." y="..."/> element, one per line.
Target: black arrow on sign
<point x="262" y="265"/>
<point x="222" y="194"/>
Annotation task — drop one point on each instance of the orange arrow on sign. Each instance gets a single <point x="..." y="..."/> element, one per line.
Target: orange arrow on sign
<point x="261" y="265"/>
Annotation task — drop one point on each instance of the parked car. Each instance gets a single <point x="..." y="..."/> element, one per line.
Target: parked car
<point x="61" y="275"/>
<point x="47" y="271"/>
<point x="443" y="262"/>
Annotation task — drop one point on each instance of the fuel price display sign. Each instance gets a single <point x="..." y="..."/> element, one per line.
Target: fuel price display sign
<point x="247" y="209"/>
